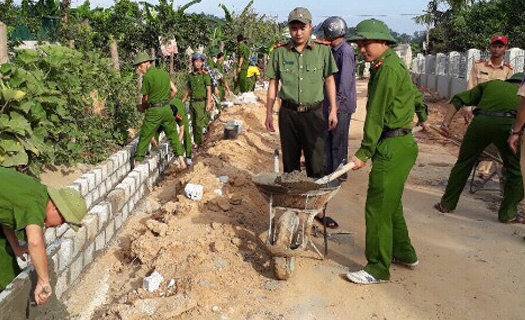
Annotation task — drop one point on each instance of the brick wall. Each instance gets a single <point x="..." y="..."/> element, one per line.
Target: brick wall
<point x="112" y="190"/>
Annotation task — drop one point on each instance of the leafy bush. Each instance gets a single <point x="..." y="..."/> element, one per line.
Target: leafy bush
<point x="59" y="105"/>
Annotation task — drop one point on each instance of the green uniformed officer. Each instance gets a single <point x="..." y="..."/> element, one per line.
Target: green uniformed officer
<point x="216" y="62"/>
<point x="157" y="91"/>
<point x="181" y="118"/>
<point x="388" y="142"/>
<point x="199" y="89"/>
<point x="243" y="62"/>
<point x="304" y="67"/>
<point x="29" y="206"/>
<point x="497" y="104"/>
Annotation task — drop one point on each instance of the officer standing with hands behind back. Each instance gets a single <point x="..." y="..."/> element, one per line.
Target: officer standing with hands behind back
<point x="304" y="67"/>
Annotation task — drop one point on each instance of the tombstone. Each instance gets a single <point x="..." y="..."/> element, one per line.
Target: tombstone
<point x="473" y="55"/>
<point x="404" y="51"/>
<point x="422" y="63"/>
<point x="441" y="64"/>
<point x="415" y="66"/>
<point x="515" y="57"/>
<point x="454" y="60"/>
<point x="430" y="64"/>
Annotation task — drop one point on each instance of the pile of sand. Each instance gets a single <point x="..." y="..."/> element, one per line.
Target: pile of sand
<point x="203" y="245"/>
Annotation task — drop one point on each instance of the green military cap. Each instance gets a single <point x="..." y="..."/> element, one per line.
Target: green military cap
<point x="517" y="77"/>
<point x="142" y="57"/>
<point x="300" y="14"/>
<point x="71" y="205"/>
<point x="373" y="29"/>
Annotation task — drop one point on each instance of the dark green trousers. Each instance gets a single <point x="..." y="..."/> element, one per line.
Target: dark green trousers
<point x="154" y="119"/>
<point x="302" y="132"/>
<point x="483" y="131"/>
<point x="243" y="81"/>
<point x="199" y="119"/>
<point x="8" y="266"/>
<point x="386" y="231"/>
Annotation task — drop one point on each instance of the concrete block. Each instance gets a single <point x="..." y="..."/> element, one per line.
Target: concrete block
<point x="109" y="184"/>
<point x="75" y="269"/>
<point x="116" y="162"/>
<point x="50" y="235"/>
<point x="79" y="238"/>
<point x="443" y="86"/>
<point x="102" y="190"/>
<point x="117" y="198"/>
<point x="89" y="254"/>
<point x="83" y="184"/>
<point x="121" y="172"/>
<point x="130" y="184"/>
<point x="136" y="197"/>
<point x="89" y="200"/>
<point x="110" y="165"/>
<point x="61" y="230"/>
<point x="90" y="222"/>
<point x="457" y="85"/>
<point x="103" y="211"/>
<point x="92" y="183"/>
<point x="61" y="286"/>
<point x="119" y="219"/>
<point x="135" y="174"/>
<point x="100" y="241"/>
<point x="98" y="176"/>
<point x="104" y="170"/>
<point x="110" y="230"/>
<point x="96" y="196"/>
<point x="128" y="166"/>
<point x="65" y="254"/>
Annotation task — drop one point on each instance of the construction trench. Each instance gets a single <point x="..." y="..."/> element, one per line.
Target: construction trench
<point x="177" y="258"/>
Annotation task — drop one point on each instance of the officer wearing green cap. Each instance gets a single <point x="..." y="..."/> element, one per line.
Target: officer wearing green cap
<point x="199" y="90"/>
<point x="29" y="206"/>
<point x="305" y="68"/>
<point x="243" y="63"/>
<point x="388" y="142"/>
<point x="496" y="104"/>
<point x="157" y="91"/>
<point x="215" y="61"/>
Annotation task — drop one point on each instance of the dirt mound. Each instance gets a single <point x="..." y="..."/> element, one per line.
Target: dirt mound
<point x="199" y="246"/>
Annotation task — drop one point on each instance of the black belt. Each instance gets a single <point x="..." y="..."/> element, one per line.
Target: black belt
<point x="198" y="99"/>
<point x="158" y="104"/>
<point x="509" y="114"/>
<point x="302" y="107"/>
<point x="392" y="133"/>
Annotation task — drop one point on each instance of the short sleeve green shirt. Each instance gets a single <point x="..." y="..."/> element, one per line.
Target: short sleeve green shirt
<point x="493" y="96"/>
<point x="244" y="52"/>
<point x="156" y="85"/>
<point x="197" y="83"/>
<point x="302" y="74"/>
<point x="391" y="101"/>
<point x="23" y="200"/>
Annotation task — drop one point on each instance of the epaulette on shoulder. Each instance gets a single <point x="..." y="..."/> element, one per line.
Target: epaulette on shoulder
<point x="325" y="42"/>
<point x="275" y="46"/>
<point x="480" y="61"/>
<point x="508" y="65"/>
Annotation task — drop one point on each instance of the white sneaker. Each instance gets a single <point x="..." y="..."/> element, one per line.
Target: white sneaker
<point x="363" y="277"/>
<point x="189" y="162"/>
<point x="406" y="264"/>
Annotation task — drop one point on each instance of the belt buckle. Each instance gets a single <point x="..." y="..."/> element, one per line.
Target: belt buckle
<point x="302" y="108"/>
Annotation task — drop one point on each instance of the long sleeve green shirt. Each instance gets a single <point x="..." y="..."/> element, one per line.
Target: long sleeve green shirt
<point x="392" y="101"/>
<point x="494" y="96"/>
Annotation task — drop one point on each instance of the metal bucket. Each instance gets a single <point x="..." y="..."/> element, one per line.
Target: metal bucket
<point x="230" y="132"/>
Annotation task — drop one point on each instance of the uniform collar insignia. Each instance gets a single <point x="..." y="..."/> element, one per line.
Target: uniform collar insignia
<point x="378" y="63"/>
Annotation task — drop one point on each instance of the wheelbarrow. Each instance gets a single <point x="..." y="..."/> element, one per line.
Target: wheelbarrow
<point x="288" y="235"/>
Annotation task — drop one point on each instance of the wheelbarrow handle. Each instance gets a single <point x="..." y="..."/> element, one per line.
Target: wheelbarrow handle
<point x="336" y="174"/>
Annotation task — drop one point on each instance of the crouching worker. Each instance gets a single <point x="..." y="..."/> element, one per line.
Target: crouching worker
<point x="497" y="104"/>
<point x="157" y="91"/>
<point x="29" y="206"/>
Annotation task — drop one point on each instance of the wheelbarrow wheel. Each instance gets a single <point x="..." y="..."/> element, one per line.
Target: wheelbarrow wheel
<point x="286" y="229"/>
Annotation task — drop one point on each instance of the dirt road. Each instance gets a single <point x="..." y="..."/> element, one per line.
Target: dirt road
<point x="471" y="265"/>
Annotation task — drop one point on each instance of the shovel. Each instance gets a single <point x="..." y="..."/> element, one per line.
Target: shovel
<point x="311" y="185"/>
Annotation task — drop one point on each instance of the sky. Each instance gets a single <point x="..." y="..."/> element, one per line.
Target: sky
<point x="390" y="11"/>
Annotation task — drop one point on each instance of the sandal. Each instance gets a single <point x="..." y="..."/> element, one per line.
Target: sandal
<point x="440" y="208"/>
<point x="330" y="223"/>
